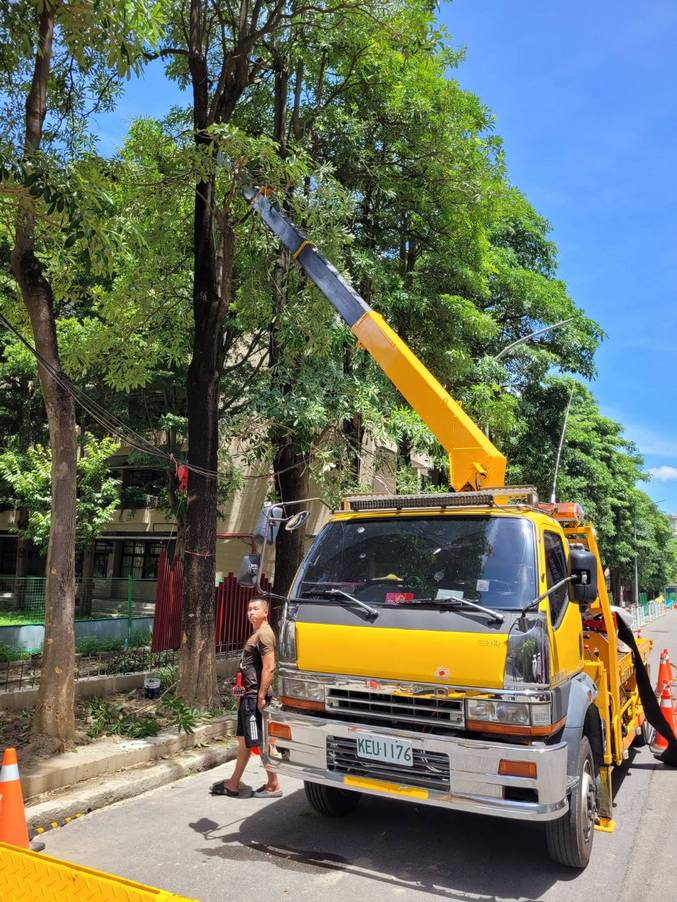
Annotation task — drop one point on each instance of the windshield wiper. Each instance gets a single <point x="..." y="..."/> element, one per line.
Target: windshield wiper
<point x="533" y="604"/>
<point x="457" y="602"/>
<point x="344" y="599"/>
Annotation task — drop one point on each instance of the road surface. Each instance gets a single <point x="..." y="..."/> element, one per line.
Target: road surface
<point x="181" y="839"/>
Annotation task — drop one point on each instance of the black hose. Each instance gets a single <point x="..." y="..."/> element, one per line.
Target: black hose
<point x="652" y="709"/>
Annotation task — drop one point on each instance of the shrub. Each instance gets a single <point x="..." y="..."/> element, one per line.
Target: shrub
<point x="115" y="721"/>
<point x="9" y="653"/>
<point x="140" y="638"/>
<point x="92" y="645"/>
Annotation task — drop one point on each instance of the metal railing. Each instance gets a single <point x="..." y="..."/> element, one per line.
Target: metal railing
<point x="22" y="598"/>
<point x="25" y="674"/>
<point x="647" y="611"/>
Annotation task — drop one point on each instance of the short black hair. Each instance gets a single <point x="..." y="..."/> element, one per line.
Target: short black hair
<point x="262" y="600"/>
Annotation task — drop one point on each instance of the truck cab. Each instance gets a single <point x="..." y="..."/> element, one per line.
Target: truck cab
<point x="432" y="649"/>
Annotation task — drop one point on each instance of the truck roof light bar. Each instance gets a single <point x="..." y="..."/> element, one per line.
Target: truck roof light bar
<point x="500" y="496"/>
<point x="568" y="513"/>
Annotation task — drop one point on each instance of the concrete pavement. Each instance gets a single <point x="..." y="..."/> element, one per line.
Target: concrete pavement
<point x="181" y="839"/>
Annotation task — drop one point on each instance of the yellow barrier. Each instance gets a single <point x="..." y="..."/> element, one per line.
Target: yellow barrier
<point x="27" y="876"/>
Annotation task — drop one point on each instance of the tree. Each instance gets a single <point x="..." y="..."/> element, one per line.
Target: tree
<point x="600" y="469"/>
<point x="68" y="57"/>
<point x="220" y="51"/>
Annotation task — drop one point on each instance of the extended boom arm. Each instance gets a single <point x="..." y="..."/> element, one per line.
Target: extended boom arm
<point x="473" y="460"/>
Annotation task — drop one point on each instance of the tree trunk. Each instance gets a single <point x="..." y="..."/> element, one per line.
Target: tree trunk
<point x="54" y="712"/>
<point x="616" y="587"/>
<point x="292" y="483"/>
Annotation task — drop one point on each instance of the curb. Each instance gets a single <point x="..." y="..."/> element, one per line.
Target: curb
<point x="100" y="792"/>
<point x="111" y="756"/>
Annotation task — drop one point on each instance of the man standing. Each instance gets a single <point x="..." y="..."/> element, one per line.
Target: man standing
<point x="257" y="668"/>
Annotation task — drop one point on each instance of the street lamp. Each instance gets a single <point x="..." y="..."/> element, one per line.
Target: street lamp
<point x="531" y="335"/>
<point x="522" y="340"/>
<point x="553" y="494"/>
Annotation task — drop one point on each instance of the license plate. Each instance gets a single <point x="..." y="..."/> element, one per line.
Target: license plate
<point x="384" y="748"/>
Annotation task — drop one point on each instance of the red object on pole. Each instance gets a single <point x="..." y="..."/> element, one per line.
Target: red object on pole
<point x="182" y="476"/>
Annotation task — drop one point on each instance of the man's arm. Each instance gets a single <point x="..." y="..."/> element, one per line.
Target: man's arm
<point x="267" y="674"/>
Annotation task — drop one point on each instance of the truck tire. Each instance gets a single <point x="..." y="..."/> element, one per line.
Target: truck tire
<point x="569" y="838"/>
<point x="331" y="801"/>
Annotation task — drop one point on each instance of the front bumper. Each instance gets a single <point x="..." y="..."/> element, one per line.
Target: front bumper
<point x="473" y="785"/>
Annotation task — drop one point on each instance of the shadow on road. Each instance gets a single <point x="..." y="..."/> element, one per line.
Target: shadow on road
<point x="444" y="853"/>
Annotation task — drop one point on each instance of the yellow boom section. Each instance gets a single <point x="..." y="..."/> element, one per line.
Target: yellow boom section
<point x="473" y="460"/>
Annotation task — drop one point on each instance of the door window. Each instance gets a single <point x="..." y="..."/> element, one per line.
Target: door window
<point x="556" y="570"/>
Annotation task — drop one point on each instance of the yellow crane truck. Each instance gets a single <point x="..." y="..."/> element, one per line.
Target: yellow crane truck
<point x="455" y="649"/>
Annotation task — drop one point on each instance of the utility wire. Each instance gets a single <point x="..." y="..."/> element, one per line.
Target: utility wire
<point x="103" y="417"/>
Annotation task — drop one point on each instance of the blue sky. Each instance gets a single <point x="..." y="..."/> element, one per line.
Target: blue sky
<point x="584" y="97"/>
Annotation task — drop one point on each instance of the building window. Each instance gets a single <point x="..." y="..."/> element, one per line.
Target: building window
<point x="8" y="555"/>
<point x="140" y="559"/>
<point x="102" y="552"/>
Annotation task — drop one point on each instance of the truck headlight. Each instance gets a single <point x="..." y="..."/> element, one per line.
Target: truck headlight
<point x="309" y="690"/>
<point x="498" y="712"/>
<point x="527" y="660"/>
<point x="519" y="718"/>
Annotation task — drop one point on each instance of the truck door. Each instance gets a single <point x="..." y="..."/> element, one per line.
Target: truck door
<point x="565" y="618"/>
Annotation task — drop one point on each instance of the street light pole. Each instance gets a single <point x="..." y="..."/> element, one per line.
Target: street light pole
<point x="520" y="341"/>
<point x="553" y="494"/>
<point x="531" y="335"/>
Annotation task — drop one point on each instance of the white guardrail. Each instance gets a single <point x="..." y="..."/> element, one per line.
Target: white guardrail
<point x="647" y="613"/>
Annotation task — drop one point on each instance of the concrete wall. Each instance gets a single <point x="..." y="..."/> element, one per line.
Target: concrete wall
<point x="30" y="636"/>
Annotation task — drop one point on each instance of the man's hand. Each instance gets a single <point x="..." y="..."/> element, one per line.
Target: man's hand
<point x="261" y="704"/>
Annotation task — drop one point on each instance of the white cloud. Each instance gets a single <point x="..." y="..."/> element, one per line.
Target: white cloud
<point x="663" y="474"/>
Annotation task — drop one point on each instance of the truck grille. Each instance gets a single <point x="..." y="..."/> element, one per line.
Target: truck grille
<point x="429" y="770"/>
<point x="404" y="712"/>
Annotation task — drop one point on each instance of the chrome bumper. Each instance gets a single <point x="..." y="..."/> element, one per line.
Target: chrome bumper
<point x="474" y="782"/>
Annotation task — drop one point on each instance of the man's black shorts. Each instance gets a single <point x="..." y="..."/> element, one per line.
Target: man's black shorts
<point x="249" y="722"/>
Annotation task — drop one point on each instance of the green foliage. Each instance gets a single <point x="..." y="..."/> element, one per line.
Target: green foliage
<point x="169" y="675"/>
<point x="9" y="653"/>
<point x="94" y="645"/>
<point x="28" y="477"/>
<point x="115" y="720"/>
<point x="185" y="717"/>
<point x="140" y="638"/>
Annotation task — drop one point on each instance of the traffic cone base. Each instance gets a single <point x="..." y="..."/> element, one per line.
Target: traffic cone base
<point x="13" y="829"/>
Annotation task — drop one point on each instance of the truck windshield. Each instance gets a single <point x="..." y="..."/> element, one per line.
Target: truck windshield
<point x="487" y="560"/>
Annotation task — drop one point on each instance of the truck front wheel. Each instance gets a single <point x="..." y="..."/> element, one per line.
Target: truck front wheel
<point x="569" y="838"/>
<point x="331" y="801"/>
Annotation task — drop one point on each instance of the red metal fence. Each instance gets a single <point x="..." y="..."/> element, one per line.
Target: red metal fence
<point x="232" y="627"/>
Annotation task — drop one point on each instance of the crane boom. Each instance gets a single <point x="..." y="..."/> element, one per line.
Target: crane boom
<point x="473" y="459"/>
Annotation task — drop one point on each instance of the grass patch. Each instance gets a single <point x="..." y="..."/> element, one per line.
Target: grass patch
<point x="20" y="618"/>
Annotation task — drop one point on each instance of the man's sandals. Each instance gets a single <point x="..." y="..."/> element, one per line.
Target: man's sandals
<point x="220" y="789"/>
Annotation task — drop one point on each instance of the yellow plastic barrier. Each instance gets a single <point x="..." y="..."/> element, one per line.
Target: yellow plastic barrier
<point x="27" y="876"/>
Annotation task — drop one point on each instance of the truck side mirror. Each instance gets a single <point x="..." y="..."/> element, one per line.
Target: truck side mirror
<point x="297" y="521"/>
<point x="583" y="569"/>
<point x="267" y="524"/>
<point x="249" y="571"/>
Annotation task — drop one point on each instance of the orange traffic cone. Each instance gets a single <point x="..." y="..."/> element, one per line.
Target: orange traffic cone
<point x="13" y="829"/>
<point x="660" y="742"/>
<point x="664" y="673"/>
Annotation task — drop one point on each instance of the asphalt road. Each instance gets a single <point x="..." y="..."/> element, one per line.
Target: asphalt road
<point x="181" y="839"/>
